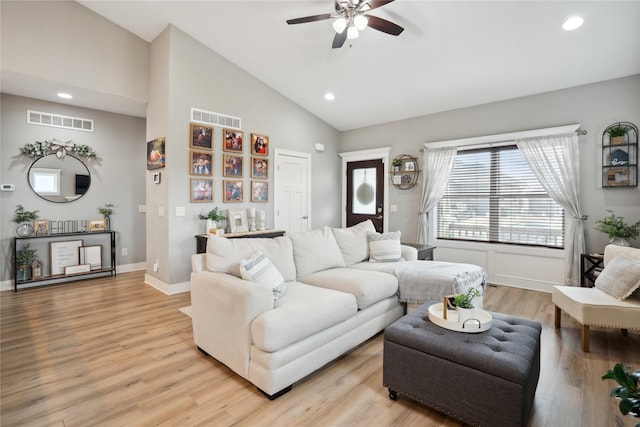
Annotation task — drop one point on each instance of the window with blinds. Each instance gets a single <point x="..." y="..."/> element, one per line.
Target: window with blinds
<point x="493" y="196"/>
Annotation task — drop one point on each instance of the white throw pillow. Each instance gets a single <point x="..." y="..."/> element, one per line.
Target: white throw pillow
<point x="315" y="250"/>
<point x="620" y="278"/>
<point x="384" y="247"/>
<point x="353" y="243"/>
<point x="259" y="269"/>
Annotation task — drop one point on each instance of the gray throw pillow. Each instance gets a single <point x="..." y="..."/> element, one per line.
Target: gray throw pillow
<point x="620" y="278"/>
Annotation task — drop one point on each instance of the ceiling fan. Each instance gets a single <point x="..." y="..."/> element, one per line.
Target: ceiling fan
<point x="350" y="19"/>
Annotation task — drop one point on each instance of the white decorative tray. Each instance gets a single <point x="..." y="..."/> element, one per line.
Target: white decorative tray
<point x="479" y="322"/>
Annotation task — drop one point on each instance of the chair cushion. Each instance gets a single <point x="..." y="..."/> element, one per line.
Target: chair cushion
<point x="260" y="270"/>
<point x="315" y="250"/>
<point x="368" y="287"/>
<point x="591" y="306"/>
<point x="384" y="247"/>
<point x="303" y="311"/>
<point x="353" y="243"/>
<point x="620" y="277"/>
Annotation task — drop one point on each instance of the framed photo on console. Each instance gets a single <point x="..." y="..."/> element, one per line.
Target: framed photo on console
<point x="237" y="220"/>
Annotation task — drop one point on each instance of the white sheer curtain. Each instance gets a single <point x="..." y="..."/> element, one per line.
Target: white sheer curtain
<point x="554" y="160"/>
<point x="437" y="164"/>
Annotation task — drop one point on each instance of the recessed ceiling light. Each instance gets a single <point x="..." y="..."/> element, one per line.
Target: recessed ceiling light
<point x="329" y="96"/>
<point x="573" y="23"/>
<point x="64" y="95"/>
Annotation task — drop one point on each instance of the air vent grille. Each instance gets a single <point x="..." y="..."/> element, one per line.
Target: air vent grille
<point x="216" y="119"/>
<point x="59" y="121"/>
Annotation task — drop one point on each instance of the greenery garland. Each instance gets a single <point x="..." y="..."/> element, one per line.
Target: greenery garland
<point x="43" y="148"/>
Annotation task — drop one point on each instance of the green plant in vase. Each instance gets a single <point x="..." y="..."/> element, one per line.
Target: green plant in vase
<point x="627" y="390"/>
<point x="212" y="217"/>
<point x="465" y="300"/>
<point x="24" y="258"/>
<point x="24" y="218"/>
<point x="106" y="211"/>
<point x="396" y="163"/>
<point x="618" y="231"/>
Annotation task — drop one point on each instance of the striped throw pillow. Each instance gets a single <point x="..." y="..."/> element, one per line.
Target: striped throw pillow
<point x="384" y="247"/>
<point x="258" y="268"/>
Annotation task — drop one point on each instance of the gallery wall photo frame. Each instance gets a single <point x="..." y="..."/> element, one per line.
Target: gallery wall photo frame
<point x="232" y="140"/>
<point x="200" y="162"/>
<point x="201" y="190"/>
<point x="201" y="136"/>
<point x="259" y="144"/>
<point x="63" y="254"/>
<point x="259" y="191"/>
<point x="259" y="167"/>
<point x="233" y="191"/>
<point x="237" y="220"/>
<point x="232" y="165"/>
<point x="156" y="157"/>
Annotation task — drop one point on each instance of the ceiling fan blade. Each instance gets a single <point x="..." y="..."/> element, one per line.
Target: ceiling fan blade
<point x="372" y="4"/>
<point x="339" y="39"/>
<point x="312" y="18"/>
<point x="384" y="25"/>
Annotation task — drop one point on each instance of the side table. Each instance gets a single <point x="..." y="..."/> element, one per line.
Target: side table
<point x="425" y="252"/>
<point x="590" y="267"/>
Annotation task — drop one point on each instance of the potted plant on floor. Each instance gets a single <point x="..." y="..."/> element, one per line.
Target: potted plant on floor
<point x="618" y="231"/>
<point x="24" y="258"/>
<point x="627" y="390"/>
<point x="24" y="218"/>
<point x="212" y="217"/>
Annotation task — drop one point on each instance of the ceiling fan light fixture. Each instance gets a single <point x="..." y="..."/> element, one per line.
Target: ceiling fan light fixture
<point x="360" y="21"/>
<point x="339" y="25"/>
<point x="352" y="32"/>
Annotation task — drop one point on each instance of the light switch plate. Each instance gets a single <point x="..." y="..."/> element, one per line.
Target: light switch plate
<point x="180" y="211"/>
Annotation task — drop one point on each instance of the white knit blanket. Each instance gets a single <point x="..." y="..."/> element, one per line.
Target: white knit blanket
<point x="420" y="281"/>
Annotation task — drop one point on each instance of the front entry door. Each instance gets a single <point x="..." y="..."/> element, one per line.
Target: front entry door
<point x="365" y="192"/>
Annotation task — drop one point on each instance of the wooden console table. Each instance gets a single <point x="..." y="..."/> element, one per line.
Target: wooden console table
<point x="201" y="239"/>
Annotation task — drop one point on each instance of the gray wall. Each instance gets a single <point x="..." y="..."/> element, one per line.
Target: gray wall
<point x="186" y="74"/>
<point x="595" y="106"/>
<point x="117" y="176"/>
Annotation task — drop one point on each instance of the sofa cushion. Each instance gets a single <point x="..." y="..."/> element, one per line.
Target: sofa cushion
<point x="303" y="311"/>
<point x="384" y="247"/>
<point x="620" y="277"/>
<point x="368" y="287"/>
<point x="260" y="270"/>
<point x="315" y="250"/>
<point x="353" y="243"/>
<point x="224" y="255"/>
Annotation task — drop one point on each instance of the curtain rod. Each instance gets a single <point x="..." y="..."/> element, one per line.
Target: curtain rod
<point x="510" y="138"/>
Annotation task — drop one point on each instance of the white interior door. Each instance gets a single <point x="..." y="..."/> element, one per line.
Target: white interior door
<point x="292" y="185"/>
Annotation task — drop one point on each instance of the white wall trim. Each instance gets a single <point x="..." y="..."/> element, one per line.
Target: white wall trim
<point x="165" y="288"/>
<point x="502" y="138"/>
<point x="361" y="155"/>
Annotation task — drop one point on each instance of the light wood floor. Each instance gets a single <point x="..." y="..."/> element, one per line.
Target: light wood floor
<point x="115" y="351"/>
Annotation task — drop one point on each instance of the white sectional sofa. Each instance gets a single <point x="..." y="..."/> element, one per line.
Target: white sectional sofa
<point x="329" y="305"/>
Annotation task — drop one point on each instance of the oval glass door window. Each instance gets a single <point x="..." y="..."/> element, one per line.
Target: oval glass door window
<point x="364" y="191"/>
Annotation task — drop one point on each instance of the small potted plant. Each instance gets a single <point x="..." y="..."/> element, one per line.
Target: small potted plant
<point x="627" y="390"/>
<point x="616" y="134"/>
<point x="106" y="211"/>
<point x="24" y="258"/>
<point x="618" y="231"/>
<point x="212" y="217"/>
<point x="464" y="304"/>
<point x="396" y="163"/>
<point x="23" y="218"/>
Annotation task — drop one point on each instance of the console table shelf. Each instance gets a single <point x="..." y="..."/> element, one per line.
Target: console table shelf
<point x="43" y="246"/>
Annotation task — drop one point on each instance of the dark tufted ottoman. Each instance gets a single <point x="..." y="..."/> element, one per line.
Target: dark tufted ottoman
<point x="486" y="379"/>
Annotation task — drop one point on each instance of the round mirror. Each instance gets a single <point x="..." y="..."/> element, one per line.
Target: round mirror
<point x="59" y="180"/>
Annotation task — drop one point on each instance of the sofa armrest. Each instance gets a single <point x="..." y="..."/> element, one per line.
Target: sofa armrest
<point x="612" y="251"/>
<point x="223" y="307"/>
<point x="198" y="263"/>
<point x="409" y="253"/>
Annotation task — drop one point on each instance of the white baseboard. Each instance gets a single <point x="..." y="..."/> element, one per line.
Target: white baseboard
<point x="168" y="289"/>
